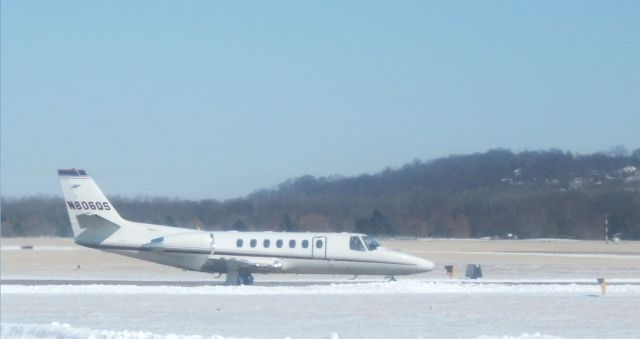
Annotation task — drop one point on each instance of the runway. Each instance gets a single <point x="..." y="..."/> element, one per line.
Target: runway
<point x="61" y="259"/>
<point x="182" y="283"/>
<point x="196" y="283"/>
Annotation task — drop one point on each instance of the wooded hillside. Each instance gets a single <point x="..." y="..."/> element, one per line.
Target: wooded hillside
<point x="496" y="193"/>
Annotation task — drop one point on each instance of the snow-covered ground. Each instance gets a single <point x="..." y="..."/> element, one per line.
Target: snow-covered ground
<point x="60" y="331"/>
<point x="402" y="309"/>
<point x="466" y="287"/>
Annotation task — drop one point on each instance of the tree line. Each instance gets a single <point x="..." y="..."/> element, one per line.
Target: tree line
<point x="532" y="194"/>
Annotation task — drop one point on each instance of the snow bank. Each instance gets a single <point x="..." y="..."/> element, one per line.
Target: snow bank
<point x="66" y="331"/>
<point x="398" y="287"/>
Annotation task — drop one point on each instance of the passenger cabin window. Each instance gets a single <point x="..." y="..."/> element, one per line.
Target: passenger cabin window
<point x="292" y="243"/>
<point x="279" y="243"/>
<point x="355" y="244"/>
<point x="305" y="243"/>
<point x="266" y="243"/>
<point x="371" y="242"/>
<point x="318" y="243"/>
<point x="239" y="243"/>
<point x="253" y="242"/>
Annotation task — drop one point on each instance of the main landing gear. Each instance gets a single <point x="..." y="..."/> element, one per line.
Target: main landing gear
<point x="239" y="278"/>
<point x="245" y="279"/>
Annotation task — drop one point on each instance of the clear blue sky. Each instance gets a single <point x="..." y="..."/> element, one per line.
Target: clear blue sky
<point x="215" y="99"/>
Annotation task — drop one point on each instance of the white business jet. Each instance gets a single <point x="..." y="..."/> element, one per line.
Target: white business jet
<point x="96" y="224"/>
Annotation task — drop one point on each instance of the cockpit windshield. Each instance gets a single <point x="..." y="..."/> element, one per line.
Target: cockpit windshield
<point x="363" y="243"/>
<point x="355" y="244"/>
<point x="371" y="242"/>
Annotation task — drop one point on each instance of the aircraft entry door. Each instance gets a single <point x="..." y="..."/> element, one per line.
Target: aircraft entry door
<point x="319" y="247"/>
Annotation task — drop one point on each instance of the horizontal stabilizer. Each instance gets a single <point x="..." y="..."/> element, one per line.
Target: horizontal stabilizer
<point x="96" y="229"/>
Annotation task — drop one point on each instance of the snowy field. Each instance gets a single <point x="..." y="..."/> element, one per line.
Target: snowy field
<point x="530" y="290"/>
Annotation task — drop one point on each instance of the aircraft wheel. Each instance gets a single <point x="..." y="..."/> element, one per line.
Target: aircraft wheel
<point x="245" y="279"/>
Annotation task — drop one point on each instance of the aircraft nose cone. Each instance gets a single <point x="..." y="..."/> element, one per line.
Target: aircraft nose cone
<point x="423" y="265"/>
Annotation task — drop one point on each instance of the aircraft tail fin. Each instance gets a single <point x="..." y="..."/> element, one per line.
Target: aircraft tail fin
<point x="91" y="214"/>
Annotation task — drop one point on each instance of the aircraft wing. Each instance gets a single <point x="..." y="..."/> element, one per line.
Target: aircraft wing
<point x="223" y="263"/>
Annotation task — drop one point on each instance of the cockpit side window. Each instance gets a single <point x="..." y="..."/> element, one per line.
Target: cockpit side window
<point x="371" y="242"/>
<point x="355" y="244"/>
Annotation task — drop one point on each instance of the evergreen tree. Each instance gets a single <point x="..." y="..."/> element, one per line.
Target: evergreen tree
<point x="287" y="225"/>
<point x="376" y="224"/>
<point x="363" y="225"/>
<point x="380" y="224"/>
<point x="240" y="226"/>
